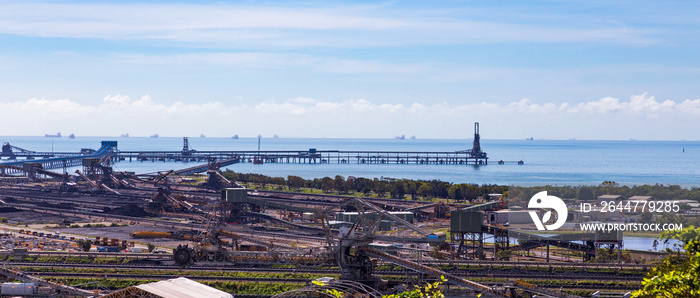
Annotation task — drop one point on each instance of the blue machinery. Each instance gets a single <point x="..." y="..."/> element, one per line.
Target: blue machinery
<point x="49" y="160"/>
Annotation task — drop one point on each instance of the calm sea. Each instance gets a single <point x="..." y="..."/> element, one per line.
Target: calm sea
<point x="572" y="162"/>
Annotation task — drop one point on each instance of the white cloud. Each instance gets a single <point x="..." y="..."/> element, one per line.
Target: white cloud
<point x="311" y="117"/>
<point x="638" y="104"/>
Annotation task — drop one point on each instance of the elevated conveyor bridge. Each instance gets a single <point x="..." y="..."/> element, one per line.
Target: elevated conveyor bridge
<point x="58" y="160"/>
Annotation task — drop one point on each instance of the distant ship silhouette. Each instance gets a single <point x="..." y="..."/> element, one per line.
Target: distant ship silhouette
<point x="154" y="136"/>
<point x="57" y="135"/>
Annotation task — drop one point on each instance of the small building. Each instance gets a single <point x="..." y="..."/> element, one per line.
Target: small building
<point x="493" y="196"/>
<point x="641" y="198"/>
<point x="689" y="203"/>
<point x="609" y="198"/>
<point x="596" y="214"/>
<point x="172" y="288"/>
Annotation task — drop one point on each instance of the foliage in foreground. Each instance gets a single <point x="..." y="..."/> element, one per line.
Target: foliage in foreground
<point x="431" y="290"/>
<point x="676" y="276"/>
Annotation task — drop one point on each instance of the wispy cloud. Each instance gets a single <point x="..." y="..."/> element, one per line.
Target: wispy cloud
<point x="343" y="26"/>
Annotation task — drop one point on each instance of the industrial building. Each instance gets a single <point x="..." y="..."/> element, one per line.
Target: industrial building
<point x="609" y="198"/>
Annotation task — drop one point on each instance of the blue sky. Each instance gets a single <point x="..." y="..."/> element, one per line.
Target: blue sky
<point x="548" y="69"/>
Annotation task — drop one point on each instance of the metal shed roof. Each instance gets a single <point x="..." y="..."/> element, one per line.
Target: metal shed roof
<point x="609" y="197"/>
<point x="182" y="288"/>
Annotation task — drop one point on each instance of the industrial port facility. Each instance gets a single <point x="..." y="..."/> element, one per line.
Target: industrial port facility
<point x="199" y="224"/>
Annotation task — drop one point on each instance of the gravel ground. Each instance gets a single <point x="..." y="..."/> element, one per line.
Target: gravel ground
<point x="28" y="217"/>
<point x="124" y="233"/>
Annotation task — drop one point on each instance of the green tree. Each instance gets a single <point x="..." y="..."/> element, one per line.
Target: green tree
<point x="398" y="190"/>
<point x="339" y="183"/>
<point x="380" y="187"/>
<point x="84" y="244"/>
<point x="585" y="194"/>
<point x="685" y="236"/>
<point x="425" y="190"/>
<point x="411" y="188"/>
<point x="470" y="192"/>
<point x="326" y="184"/>
<point x="295" y="182"/>
<point x="676" y="276"/>
<point x="455" y="192"/>
<point x="280" y="182"/>
<point x="504" y="255"/>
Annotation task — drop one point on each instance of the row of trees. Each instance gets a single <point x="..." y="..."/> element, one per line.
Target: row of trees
<point x="400" y="188"/>
<point x="396" y="188"/>
<point x="590" y="193"/>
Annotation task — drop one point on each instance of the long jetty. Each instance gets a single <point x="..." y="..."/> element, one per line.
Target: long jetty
<point x="15" y="160"/>
<point x="311" y="156"/>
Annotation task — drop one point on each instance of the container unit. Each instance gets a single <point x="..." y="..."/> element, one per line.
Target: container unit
<point x="308" y="216"/>
<point x="466" y="221"/>
<point x="136" y="249"/>
<point x="405" y="215"/>
<point x="235" y="195"/>
<point x="17" y="289"/>
<point x="509" y="216"/>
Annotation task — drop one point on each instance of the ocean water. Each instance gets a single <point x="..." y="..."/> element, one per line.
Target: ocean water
<point x="555" y="162"/>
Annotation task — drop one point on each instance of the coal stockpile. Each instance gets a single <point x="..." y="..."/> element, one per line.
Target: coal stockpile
<point x="8" y="209"/>
<point x="130" y="210"/>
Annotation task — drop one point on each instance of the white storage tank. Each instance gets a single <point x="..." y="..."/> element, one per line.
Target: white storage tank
<point x="15" y="288"/>
<point x="136" y="249"/>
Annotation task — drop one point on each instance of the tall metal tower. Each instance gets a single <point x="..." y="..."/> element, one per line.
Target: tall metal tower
<point x="476" y="152"/>
<point x="185" y="145"/>
<point x="477" y="145"/>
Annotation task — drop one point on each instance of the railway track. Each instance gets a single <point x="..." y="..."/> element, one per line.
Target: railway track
<point x="538" y="264"/>
<point x="443" y="263"/>
<point x="600" y="286"/>
<point x="461" y="273"/>
<point x="273" y="280"/>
